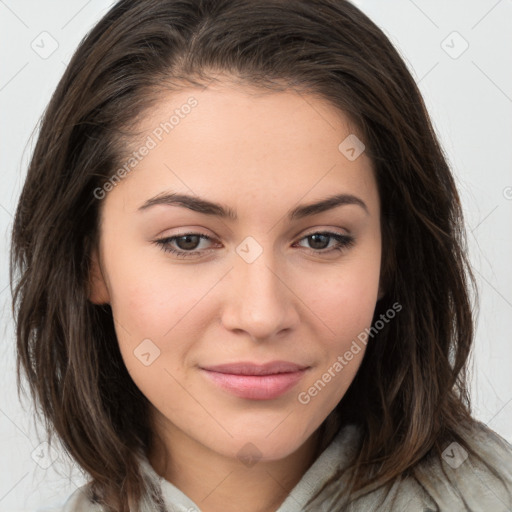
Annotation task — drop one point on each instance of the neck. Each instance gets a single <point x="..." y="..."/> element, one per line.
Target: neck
<point x="222" y="484"/>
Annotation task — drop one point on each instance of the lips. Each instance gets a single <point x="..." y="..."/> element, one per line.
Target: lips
<point x="248" y="368"/>
<point x="256" y="381"/>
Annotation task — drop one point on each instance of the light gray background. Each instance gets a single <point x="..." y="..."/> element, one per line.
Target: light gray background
<point x="469" y="96"/>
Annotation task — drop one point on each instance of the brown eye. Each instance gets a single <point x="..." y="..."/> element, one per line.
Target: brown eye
<point x="319" y="242"/>
<point x="183" y="246"/>
<point x="188" y="242"/>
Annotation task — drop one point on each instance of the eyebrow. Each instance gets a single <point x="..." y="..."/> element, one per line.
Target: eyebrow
<point x="206" y="207"/>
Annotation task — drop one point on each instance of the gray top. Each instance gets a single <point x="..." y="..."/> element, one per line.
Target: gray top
<point x="455" y="482"/>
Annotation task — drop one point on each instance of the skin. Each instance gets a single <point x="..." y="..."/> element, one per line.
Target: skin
<point x="261" y="155"/>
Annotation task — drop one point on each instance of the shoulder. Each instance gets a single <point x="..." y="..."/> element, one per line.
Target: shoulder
<point x="79" y="502"/>
<point x="478" y="479"/>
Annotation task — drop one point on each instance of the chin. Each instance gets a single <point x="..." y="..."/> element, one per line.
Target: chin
<point x="267" y="444"/>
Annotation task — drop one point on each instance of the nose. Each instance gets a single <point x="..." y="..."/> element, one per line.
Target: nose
<point x="261" y="300"/>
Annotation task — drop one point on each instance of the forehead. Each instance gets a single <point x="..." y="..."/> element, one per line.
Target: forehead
<point x="227" y="140"/>
<point x="227" y="109"/>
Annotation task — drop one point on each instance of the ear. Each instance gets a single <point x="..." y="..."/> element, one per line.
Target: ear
<point x="98" y="291"/>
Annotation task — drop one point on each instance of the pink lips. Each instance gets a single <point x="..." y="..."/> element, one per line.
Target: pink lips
<point x="254" y="381"/>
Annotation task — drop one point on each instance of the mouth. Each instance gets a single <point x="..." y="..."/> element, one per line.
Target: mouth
<point x="256" y="381"/>
<point x="249" y="368"/>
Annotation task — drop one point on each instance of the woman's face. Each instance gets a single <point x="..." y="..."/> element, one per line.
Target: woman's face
<point x="258" y="287"/>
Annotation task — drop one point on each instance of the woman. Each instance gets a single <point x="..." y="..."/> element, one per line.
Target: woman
<point x="240" y="271"/>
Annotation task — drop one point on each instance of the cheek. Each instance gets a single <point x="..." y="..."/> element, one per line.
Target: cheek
<point x="159" y="313"/>
<point x="344" y="297"/>
<point x="149" y="300"/>
<point x="343" y="300"/>
<point x="345" y="309"/>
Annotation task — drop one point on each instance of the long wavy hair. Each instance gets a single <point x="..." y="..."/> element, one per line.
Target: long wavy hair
<point x="410" y="394"/>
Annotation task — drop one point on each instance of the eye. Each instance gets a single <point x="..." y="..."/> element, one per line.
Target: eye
<point x="319" y="241"/>
<point x="188" y="243"/>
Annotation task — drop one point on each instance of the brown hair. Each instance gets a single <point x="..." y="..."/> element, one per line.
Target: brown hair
<point x="410" y="394"/>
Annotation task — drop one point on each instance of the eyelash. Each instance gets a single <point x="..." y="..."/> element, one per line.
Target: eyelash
<point x="344" y="242"/>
